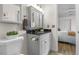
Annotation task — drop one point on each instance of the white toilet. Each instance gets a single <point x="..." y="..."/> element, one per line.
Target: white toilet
<point x="11" y="46"/>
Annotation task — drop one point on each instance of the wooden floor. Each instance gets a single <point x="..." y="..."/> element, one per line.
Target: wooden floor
<point x="66" y="48"/>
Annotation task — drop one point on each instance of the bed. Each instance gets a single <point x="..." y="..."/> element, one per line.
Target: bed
<point x="66" y="36"/>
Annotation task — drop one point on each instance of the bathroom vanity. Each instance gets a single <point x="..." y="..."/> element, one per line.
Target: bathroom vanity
<point x="39" y="43"/>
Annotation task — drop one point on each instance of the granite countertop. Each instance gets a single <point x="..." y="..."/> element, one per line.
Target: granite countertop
<point x="38" y="32"/>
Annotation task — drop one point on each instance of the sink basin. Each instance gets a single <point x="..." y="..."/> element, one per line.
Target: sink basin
<point x="11" y="46"/>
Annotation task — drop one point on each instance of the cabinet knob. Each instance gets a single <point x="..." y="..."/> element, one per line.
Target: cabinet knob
<point x="4" y="14"/>
<point x="37" y="39"/>
<point x="45" y="41"/>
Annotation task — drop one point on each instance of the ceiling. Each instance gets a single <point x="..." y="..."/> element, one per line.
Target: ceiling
<point x="66" y="10"/>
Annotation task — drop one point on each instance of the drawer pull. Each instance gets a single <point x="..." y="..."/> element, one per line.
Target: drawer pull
<point x="45" y="41"/>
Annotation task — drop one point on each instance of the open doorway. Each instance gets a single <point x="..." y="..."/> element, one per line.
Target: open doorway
<point x="66" y="29"/>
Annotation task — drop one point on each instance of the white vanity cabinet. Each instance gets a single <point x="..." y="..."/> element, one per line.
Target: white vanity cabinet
<point x="9" y="13"/>
<point x="39" y="44"/>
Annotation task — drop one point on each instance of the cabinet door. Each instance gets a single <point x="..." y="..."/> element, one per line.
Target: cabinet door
<point x="10" y="12"/>
<point x="41" y="20"/>
<point x="47" y="43"/>
<point x="44" y="44"/>
<point x="33" y="47"/>
<point x="42" y="47"/>
<point x="36" y="17"/>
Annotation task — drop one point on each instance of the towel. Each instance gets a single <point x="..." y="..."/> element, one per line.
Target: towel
<point x="71" y="33"/>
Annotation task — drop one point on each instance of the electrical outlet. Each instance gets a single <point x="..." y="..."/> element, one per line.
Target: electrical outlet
<point x="53" y="26"/>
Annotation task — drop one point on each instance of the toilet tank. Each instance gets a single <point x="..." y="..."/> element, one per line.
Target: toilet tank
<point x="11" y="46"/>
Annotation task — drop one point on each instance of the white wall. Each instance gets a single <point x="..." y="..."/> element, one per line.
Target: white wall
<point x="73" y="23"/>
<point x="24" y="11"/>
<point x="50" y="18"/>
<point x="77" y="29"/>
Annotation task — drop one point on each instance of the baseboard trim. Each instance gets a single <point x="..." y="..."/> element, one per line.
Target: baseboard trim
<point x="66" y="42"/>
